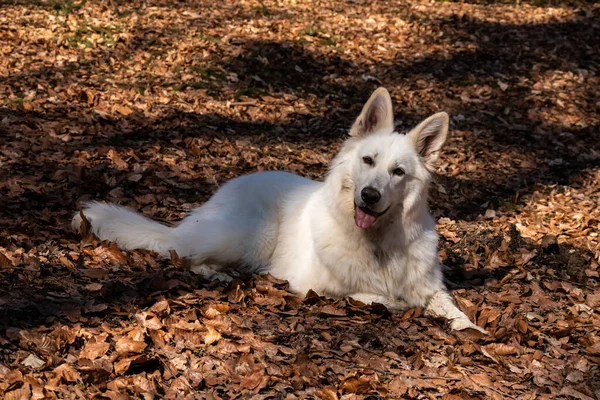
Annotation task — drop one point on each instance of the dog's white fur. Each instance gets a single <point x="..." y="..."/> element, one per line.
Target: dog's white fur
<point x="305" y="231"/>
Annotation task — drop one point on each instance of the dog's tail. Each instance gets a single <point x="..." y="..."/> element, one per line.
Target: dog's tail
<point x="127" y="228"/>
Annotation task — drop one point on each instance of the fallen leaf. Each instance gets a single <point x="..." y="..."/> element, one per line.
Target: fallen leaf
<point x="571" y="392"/>
<point x="148" y="321"/>
<point x="333" y="311"/>
<point x="127" y="345"/>
<point x="116" y="159"/>
<point x="497" y="350"/>
<point x="326" y="394"/>
<point x="67" y="373"/>
<point x="23" y="393"/>
<point x="356" y="385"/>
<point x="93" y="350"/>
<point x="212" y="336"/>
<point x="93" y="287"/>
<point x="34" y="362"/>
<point x="5" y="261"/>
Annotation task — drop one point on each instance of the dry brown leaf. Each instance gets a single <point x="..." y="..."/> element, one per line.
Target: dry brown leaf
<point x="356" y="385"/>
<point x="66" y="262"/>
<point x="209" y="312"/>
<point x="211" y="335"/>
<point x="43" y="343"/>
<point x="148" y="321"/>
<point x="571" y="392"/>
<point x="116" y="159"/>
<point x="95" y="308"/>
<point x="85" y="229"/>
<point x="327" y="394"/>
<point x="593" y="300"/>
<point x="33" y="362"/>
<point x="144" y="385"/>
<point x="481" y="379"/>
<point x="37" y="389"/>
<point x="188" y="326"/>
<point x="112" y="395"/>
<point x="123" y="365"/>
<point x="93" y="287"/>
<point x="127" y="345"/>
<point x="253" y="380"/>
<point x="213" y="310"/>
<point x="462" y="396"/>
<point x="161" y="307"/>
<point x="67" y="373"/>
<point x="5" y="261"/>
<point x="123" y="110"/>
<point x="158" y="338"/>
<point x="397" y="387"/>
<point x="221" y="307"/>
<point x="23" y="393"/>
<point x="93" y="350"/>
<point x="521" y="325"/>
<point x="333" y="311"/>
<point x="594" y="349"/>
<point x="496" y="350"/>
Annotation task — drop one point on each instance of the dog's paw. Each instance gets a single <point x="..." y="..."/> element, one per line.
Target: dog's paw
<point x="76" y="223"/>
<point x="442" y="305"/>
<point x="462" y="323"/>
<point x="210" y="273"/>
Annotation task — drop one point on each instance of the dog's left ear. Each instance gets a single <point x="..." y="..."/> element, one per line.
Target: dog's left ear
<point x="429" y="136"/>
<point x="377" y="114"/>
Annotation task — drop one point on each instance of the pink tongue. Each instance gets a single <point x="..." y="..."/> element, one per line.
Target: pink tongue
<point x="362" y="219"/>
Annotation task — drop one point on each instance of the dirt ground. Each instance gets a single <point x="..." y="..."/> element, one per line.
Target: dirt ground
<point x="155" y="104"/>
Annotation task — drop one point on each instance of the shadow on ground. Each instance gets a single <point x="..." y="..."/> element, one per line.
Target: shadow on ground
<point x="513" y="54"/>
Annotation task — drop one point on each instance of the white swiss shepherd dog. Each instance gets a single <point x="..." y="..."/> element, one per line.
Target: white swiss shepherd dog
<point x="365" y="232"/>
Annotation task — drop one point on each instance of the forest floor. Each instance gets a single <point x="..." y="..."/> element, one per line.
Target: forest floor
<point x="155" y="104"/>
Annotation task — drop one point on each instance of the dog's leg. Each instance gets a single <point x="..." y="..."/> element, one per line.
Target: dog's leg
<point x="370" y="298"/>
<point x="441" y="304"/>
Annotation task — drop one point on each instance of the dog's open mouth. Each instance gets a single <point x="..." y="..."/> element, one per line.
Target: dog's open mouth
<point x="365" y="218"/>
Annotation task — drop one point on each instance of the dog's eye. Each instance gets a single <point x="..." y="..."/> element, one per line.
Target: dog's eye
<point x="368" y="160"/>
<point x="398" y="171"/>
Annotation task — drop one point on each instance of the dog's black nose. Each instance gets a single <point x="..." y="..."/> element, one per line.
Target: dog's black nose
<point x="370" y="195"/>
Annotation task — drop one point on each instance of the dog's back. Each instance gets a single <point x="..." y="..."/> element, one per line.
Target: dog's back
<point x="241" y="223"/>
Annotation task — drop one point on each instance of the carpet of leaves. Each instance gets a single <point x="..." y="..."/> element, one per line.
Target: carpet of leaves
<point x="154" y="104"/>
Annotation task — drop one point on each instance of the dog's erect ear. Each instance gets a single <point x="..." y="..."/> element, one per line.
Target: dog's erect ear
<point x="429" y="136"/>
<point x="377" y="114"/>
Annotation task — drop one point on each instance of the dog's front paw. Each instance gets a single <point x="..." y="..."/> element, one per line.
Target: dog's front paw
<point x="462" y="323"/>
<point x="442" y="305"/>
<point x="210" y="273"/>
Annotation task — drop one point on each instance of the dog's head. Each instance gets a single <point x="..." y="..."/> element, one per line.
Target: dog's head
<point x="388" y="169"/>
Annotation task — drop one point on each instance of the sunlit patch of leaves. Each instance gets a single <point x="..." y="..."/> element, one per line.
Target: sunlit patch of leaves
<point x="67" y="7"/>
<point x="248" y="92"/>
<point x="262" y="9"/>
<point x="86" y="36"/>
<point x="155" y="106"/>
<point x="209" y="38"/>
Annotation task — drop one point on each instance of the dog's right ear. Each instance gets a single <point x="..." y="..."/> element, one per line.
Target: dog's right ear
<point x="377" y="114"/>
<point x="429" y="136"/>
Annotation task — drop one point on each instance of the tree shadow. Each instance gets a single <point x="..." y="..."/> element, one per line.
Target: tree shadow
<point x="567" y="262"/>
<point x="50" y="188"/>
<point x="534" y="3"/>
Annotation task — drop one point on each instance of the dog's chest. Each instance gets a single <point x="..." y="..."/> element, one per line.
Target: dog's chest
<point x="359" y="265"/>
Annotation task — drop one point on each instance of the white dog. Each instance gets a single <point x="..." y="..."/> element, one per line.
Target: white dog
<point x="365" y="232"/>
